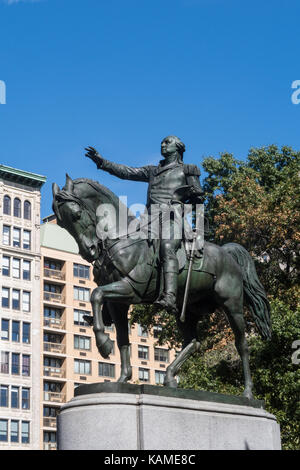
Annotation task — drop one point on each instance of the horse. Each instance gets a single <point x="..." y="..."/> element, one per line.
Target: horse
<point x="127" y="272"/>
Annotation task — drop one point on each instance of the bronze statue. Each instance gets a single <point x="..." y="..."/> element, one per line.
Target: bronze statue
<point x="127" y="269"/>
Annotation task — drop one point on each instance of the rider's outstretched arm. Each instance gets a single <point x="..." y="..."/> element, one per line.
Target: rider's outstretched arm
<point x="119" y="170"/>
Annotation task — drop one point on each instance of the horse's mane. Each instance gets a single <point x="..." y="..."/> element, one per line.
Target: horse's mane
<point x="105" y="194"/>
<point x="111" y="197"/>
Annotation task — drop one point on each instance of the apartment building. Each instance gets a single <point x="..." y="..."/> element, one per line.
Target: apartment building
<point x="69" y="356"/>
<point x="20" y="308"/>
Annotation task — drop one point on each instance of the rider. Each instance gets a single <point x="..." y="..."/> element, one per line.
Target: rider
<point x="164" y="181"/>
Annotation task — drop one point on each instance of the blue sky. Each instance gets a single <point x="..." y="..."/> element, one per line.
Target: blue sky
<point x="121" y="75"/>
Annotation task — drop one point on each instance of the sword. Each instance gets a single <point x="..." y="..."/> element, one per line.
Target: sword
<point x="188" y="279"/>
<point x="197" y="231"/>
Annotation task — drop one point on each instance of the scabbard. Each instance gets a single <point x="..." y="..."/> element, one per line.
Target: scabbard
<point x="188" y="281"/>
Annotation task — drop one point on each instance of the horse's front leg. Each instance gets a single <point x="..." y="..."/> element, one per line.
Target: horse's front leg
<point x="103" y="341"/>
<point x="119" y="315"/>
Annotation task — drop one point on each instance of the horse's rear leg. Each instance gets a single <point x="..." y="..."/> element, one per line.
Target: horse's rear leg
<point x="173" y="368"/>
<point x="190" y="346"/>
<point x="234" y="309"/>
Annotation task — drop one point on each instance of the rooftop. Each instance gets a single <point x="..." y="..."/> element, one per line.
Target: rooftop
<point x="56" y="237"/>
<point x="23" y="177"/>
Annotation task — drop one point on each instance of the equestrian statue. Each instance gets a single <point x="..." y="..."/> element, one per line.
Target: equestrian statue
<point x="173" y="269"/>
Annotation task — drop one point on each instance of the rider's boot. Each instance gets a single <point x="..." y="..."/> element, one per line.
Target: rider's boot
<point x="167" y="300"/>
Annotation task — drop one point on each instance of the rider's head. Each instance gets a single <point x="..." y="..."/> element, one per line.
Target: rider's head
<point x="172" y="145"/>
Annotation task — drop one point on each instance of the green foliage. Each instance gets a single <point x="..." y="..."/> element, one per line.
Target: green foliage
<point x="148" y="317"/>
<point x="257" y="203"/>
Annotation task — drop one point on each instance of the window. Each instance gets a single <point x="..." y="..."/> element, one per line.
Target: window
<point x="6" y="235"/>
<point x="79" y="270"/>
<point x="15" y="364"/>
<point x="14" y="431"/>
<point x="4" y="396"/>
<point x="142" y="331"/>
<point x="16" y="299"/>
<point x="16" y="237"/>
<point x="27" y="210"/>
<point x="52" y="264"/>
<point x="26" y="365"/>
<point x="156" y="331"/>
<point x="50" y="412"/>
<point x="4" y="329"/>
<point x="82" y="367"/>
<point x="17" y="207"/>
<point x="52" y="362"/>
<point x="144" y="375"/>
<point x="4" y="362"/>
<point x="25" y="399"/>
<point x="15" y="331"/>
<point x="26" y="301"/>
<point x="161" y="355"/>
<point x="78" y="317"/>
<point x="159" y="377"/>
<point x="82" y="342"/>
<point x="5" y="297"/>
<point x="26" y="270"/>
<point x="81" y="294"/>
<point x="26" y="240"/>
<point x="52" y="313"/>
<point x="52" y="338"/>
<point x="50" y="436"/>
<point x="25" y="432"/>
<point x="5" y="266"/>
<point x="3" y="430"/>
<point x="16" y="268"/>
<point x="53" y="288"/>
<point x="14" y="397"/>
<point x="143" y="352"/>
<point x="6" y="205"/>
<point x="106" y="370"/>
<point x="52" y="387"/>
<point x="26" y="333"/>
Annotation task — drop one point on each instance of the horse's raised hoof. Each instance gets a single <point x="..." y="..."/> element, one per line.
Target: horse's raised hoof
<point x="104" y="345"/>
<point x="171" y="383"/>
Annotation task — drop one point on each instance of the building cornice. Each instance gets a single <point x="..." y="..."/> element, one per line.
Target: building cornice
<point x="22" y="177"/>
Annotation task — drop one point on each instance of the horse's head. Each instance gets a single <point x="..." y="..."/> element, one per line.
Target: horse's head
<point x="77" y="218"/>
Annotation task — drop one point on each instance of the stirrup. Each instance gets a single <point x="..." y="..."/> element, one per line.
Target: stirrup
<point x="167" y="302"/>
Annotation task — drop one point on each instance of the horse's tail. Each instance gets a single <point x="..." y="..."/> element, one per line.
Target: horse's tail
<point x="255" y="295"/>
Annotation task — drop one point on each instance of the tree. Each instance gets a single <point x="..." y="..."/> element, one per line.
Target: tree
<point x="256" y="203"/>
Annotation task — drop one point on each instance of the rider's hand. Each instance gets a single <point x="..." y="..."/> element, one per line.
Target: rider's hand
<point x="94" y="155"/>
<point x="198" y="197"/>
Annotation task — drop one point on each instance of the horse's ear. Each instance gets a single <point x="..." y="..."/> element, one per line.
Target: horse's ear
<point x="55" y="189"/>
<point x="69" y="186"/>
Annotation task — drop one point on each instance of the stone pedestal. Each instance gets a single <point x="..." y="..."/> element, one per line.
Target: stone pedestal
<point x="113" y="416"/>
